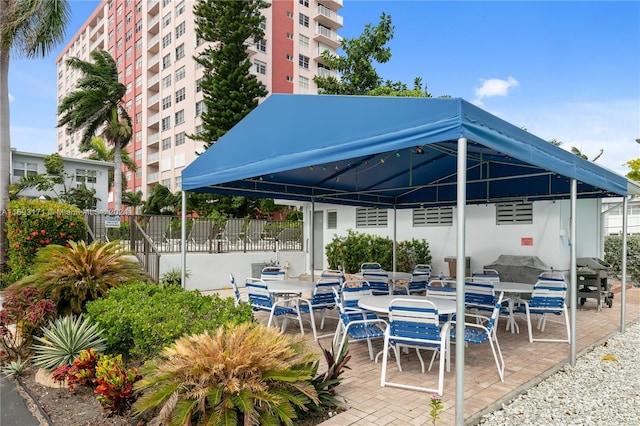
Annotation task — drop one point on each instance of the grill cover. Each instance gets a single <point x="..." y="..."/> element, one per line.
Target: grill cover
<point x="519" y="269"/>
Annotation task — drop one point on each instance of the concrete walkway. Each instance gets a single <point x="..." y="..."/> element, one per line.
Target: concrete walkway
<point x="13" y="408"/>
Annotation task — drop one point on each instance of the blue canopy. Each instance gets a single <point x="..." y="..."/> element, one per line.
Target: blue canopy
<point x="388" y="151"/>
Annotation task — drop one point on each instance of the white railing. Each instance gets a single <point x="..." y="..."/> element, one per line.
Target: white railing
<point x="331" y="35"/>
<point x="331" y="14"/>
<point x="153" y="138"/>
<point x="152" y="158"/>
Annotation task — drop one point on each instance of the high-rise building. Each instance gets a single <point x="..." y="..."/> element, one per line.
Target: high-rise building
<point x="153" y="43"/>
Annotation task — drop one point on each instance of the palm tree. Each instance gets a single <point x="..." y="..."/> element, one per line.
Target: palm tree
<point x="96" y="105"/>
<point x="100" y="152"/>
<point x="28" y="28"/>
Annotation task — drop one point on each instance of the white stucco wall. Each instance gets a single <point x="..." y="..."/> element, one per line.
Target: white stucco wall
<point x="486" y="240"/>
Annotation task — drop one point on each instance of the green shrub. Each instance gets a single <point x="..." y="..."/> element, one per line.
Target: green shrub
<point x="613" y="256"/>
<point x="247" y="374"/>
<point x="115" y="384"/>
<point x="33" y="224"/>
<point x="354" y="249"/>
<point x="140" y="319"/>
<point x="72" y="275"/>
<point x="64" y="340"/>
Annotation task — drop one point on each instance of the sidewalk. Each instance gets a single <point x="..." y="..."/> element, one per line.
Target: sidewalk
<point x="13" y="408"/>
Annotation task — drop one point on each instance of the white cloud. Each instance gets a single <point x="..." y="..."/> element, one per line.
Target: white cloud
<point x="494" y="87"/>
<point x="11" y="97"/>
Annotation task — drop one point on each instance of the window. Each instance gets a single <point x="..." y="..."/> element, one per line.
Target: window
<point x="24" y="169"/>
<point x="166" y="123"/>
<point x="289" y="36"/>
<point x="139" y="62"/>
<point x="261" y="45"/>
<point x="128" y="106"/>
<point x="87" y="176"/>
<point x="166" y="81"/>
<point x="303" y="41"/>
<point x="119" y="45"/>
<point x="180" y="52"/>
<point x="166" y="61"/>
<point x="289" y="14"/>
<point x="178" y="181"/>
<point x="289" y="57"/>
<point x="332" y="220"/>
<point x="139" y="99"/>
<point x="180" y="8"/>
<point x="180" y="95"/>
<point x="303" y="61"/>
<point x="180" y="138"/>
<point x="138" y="25"/>
<point x="290" y="78"/>
<point x="180" y="29"/>
<point x="435" y="216"/>
<point x="305" y="3"/>
<point x="129" y="17"/>
<point x="166" y="40"/>
<point x="514" y="213"/>
<point x="128" y="35"/>
<point x="199" y="129"/>
<point x="138" y="135"/>
<point x="166" y="182"/>
<point x="371" y="218"/>
<point x="303" y="82"/>
<point x="261" y="67"/>
<point x="180" y="73"/>
<point x="199" y="85"/>
<point x="200" y="108"/>
<point x="180" y="117"/>
<point x="303" y="20"/>
<point x="166" y="102"/>
<point x="138" y="118"/>
<point x="166" y="143"/>
<point x="119" y="61"/>
<point x="139" y="44"/>
<point x="139" y="81"/>
<point x="129" y="87"/>
<point x="165" y="2"/>
<point x="128" y="70"/>
<point x="128" y="53"/>
<point x="166" y="20"/>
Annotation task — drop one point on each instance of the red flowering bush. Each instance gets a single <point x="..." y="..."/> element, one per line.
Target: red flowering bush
<point x="115" y="384"/>
<point x="81" y="372"/>
<point x="33" y="224"/>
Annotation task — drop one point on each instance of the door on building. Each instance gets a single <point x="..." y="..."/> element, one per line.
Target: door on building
<point x="318" y="242"/>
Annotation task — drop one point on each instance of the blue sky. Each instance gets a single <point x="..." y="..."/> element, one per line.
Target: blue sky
<point x="564" y="70"/>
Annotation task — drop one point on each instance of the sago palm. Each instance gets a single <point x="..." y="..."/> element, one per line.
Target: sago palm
<point x="96" y="105"/>
<point x="28" y="28"/>
<point x="71" y="276"/>
<point x="248" y="374"/>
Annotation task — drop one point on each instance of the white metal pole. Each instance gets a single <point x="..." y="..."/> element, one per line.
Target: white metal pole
<point x="574" y="275"/>
<point x="183" y="239"/>
<point x="460" y="275"/>
<point x="395" y="236"/>
<point x="623" y="290"/>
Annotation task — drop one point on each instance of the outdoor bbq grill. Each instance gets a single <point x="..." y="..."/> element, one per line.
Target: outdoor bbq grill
<point x="593" y="282"/>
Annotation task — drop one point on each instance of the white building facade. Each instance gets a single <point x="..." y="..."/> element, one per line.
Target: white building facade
<point x="153" y="43"/>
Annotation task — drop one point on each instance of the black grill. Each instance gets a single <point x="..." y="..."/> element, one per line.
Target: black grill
<point x="593" y="281"/>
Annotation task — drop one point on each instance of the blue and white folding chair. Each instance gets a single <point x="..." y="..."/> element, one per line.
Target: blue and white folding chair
<point x="548" y="298"/>
<point x="356" y="323"/>
<point x="415" y="324"/>
<point x="236" y="290"/>
<point x="378" y="280"/>
<point x="483" y="330"/>
<point x="370" y="266"/>
<point x="479" y="296"/>
<point x="485" y="275"/>
<point x="419" y="279"/>
<point x="323" y="299"/>
<point x="262" y="300"/>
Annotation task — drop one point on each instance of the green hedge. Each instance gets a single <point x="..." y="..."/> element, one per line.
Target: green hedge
<point x="613" y="256"/>
<point x="140" y="319"/>
<point x="352" y="250"/>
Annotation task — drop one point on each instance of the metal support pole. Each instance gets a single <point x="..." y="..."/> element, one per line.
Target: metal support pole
<point x="460" y="275"/>
<point x="574" y="275"/>
<point x="183" y="239"/>
<point x="623" y="290"/>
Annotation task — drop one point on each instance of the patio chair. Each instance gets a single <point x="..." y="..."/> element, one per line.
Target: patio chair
<point x="322" y="300"/>
<point x="370" y="266"/>
<point x="415" y="324"/>
<point x="378" y="280"/>
<point x="236" y="290"/>
<point x="157" y="230"/>
<point x="485" y="275"/>
<point x="201" y="234"/>
<point x="479" y="296"/>
<point x="261" y="300"/>
<point x="356" y="323"/>
<point x="232" y="231"/>
<point x="419" y="279"/>
<point x="479" y="333"/>
<point x="548" y="298"/>
<point x="255" y="230"/>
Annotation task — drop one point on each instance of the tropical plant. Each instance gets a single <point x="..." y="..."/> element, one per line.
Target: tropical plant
<point x="326" y="382"/>
<point x="173" y="276"/>
<point x="99" y="151"/>
<point x="160" y="201"/>
<point x="115" y="384"/>
<point x="64" y="339"/>
<point x="97" y="101"/>
<point x="249" y="374"/>
<point x="27" y="311"/>
<point x="140" y="319"/>
<point x="14" y="368"/>
<point x="71" y="276"/>
<point x="28" y="28"/>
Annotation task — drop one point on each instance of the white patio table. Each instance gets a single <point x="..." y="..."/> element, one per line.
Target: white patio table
<point x="290" y="286"/>
<point x="380" y="304"/>
<point x="515" y="289"/>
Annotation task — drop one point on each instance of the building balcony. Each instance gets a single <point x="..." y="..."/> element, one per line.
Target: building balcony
<point x="153" y="120"/>
<point x="97" y="31"/>
<point x="153" y="26"/>
<point x="153" y="177"/>
<point x="327" y="36"/>
<point x="153" y="6"/>
<point x="97" y="45"/>
<point x="153" y="64"/>
<point x="333" y="4"/>
<point x="153" y="45"/>
<point x="153" y="102"/>
<point x="328" y="17"/>
<point x="153" y="139"/>
<point x="323" y="72"/>
<point x="321" y="48"/>
<point x="153" y="158"/>
<point x="153" y="83"/>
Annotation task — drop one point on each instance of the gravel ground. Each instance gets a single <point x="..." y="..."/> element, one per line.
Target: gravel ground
<point x="602" y="389"/>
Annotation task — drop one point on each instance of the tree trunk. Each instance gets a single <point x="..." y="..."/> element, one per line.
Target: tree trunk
<point x="117" y="178"/>
<point x="5" y="143"/>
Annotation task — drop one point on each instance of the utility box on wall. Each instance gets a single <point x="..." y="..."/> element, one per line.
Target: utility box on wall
<point x="256" y="269"/>
<point x="451" y="260"/>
